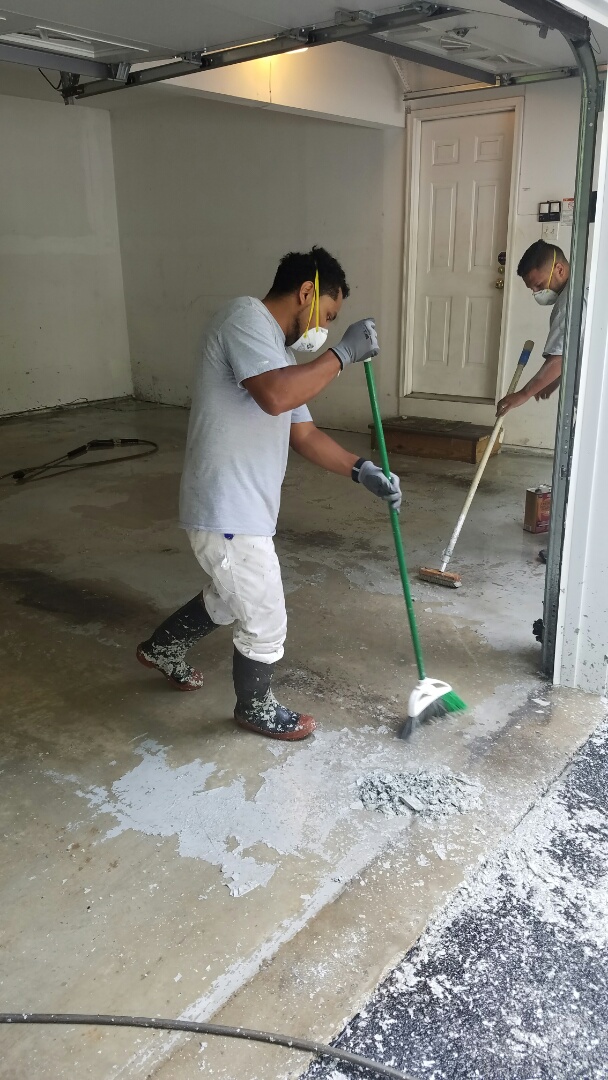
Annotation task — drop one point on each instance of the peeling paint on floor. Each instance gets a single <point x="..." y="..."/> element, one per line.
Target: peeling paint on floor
<point x="299" y="804"/>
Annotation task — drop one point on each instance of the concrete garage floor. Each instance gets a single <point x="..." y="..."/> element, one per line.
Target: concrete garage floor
<point x="159" y="861"/>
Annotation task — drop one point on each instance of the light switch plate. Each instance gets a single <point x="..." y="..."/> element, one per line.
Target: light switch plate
<point x="550" y="232"/>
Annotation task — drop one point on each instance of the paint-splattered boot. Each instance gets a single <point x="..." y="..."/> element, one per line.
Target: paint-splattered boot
<point x="258" y="710"/>
<point x="166" y="649"/>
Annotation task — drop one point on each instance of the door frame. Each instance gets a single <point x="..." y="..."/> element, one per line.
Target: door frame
<point x="415" y="120"/>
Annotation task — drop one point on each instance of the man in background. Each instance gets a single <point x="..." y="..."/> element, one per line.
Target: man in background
<point x="546" y="272"/>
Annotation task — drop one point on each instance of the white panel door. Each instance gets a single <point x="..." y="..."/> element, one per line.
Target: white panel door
<point x="465" y="178"/>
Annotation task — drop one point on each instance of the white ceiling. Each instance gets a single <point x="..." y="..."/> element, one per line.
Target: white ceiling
<point x="144" y="30"/>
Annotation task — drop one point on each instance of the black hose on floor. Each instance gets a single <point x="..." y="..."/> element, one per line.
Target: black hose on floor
<point x="291" y="1042"/>
<point x="65" y="463"/>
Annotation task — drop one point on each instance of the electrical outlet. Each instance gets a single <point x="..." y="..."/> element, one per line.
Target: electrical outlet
<point x="550" y="232"/>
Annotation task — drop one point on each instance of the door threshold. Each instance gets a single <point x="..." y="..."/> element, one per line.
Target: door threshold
<point x="451" y="397"/>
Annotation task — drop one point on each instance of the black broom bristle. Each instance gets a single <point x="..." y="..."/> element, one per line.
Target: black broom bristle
<point x="435" y="711"/>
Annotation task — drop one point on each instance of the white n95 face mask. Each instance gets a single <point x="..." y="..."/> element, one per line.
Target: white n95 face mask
<point x="314" y="337"/>
<point x="311" y="339"/>
<point x="546" y="297"/>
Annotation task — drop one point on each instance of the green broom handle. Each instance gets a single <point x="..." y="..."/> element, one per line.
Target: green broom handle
<point x="373" y="399"/>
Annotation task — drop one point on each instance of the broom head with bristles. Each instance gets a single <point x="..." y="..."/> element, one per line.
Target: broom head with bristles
<point x="431" y="699"/>
<point x="440" y="577"/>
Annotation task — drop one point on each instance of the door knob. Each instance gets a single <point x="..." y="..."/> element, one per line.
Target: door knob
<point x="500" y="284"/>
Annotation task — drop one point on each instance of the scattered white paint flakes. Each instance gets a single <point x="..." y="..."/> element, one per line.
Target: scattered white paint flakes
<point x="302" y="799"/>
<point x="177" y="978"/>
<point x="529" y="867"/>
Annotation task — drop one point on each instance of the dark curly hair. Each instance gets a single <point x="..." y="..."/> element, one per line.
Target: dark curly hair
<point x="537" y="256"/>
<point x="297" y="267"/>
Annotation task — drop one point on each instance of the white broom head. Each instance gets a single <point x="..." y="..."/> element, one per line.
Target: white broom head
<point x="425" y="694"/>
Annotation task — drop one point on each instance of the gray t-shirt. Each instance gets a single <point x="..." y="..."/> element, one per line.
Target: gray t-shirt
<point x="557" y="323"/>
<point x="236" y="454"/>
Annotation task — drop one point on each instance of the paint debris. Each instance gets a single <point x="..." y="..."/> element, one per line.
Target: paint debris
<point x="303" y="796"/>
<point x="509" y="980"/>
<point x="433" y="795"/>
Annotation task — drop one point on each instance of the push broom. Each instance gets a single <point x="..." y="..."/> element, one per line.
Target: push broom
<point x="443" y="576"/>
<point x="430" y="699"/>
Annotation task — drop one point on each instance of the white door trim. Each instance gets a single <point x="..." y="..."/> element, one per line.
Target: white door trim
<point x="415" y="121"/>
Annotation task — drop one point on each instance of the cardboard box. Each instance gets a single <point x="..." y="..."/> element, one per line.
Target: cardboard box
<point x="538" y="509"/>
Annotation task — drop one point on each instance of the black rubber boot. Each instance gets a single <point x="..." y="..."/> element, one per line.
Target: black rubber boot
<point x="257" y="709"/>
<point x="166" y="649"/>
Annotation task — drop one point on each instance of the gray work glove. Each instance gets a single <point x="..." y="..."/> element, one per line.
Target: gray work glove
<point x="360" y="342"/>
<point x="368" y="474"/>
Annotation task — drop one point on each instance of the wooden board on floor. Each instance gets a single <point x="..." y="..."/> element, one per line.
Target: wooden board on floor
<point x="453" y="440"/>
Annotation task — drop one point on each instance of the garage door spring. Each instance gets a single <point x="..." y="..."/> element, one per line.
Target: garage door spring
<point x="65" y="462"/>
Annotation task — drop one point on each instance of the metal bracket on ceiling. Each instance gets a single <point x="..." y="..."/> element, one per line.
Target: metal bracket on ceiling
<point x="121" y="71"/>
<point x="343" y="15"/>
<point x="354" y="23"/>
<point x="509" y="78"/>
<point x="67" y="84"/>
<point x="555" y="17"/>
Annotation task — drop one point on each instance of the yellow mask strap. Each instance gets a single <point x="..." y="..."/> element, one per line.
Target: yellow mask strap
<point x="315" y="304"/>
<point x="552" y="268"/>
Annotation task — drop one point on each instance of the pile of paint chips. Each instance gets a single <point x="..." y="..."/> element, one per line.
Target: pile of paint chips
<point x="433" y="795"/>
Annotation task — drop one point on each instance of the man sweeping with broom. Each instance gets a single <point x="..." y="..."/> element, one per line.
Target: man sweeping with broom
<point x="248" y="408"/>
<point x="546" y="272"/>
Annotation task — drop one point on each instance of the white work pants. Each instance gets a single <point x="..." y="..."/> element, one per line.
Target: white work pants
<point x="245" y="589"/>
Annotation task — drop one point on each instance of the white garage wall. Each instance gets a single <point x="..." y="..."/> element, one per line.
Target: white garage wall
<point x="334" y="82"/>
<point x="63" y="331"/>
<point x="211" y="195"/>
